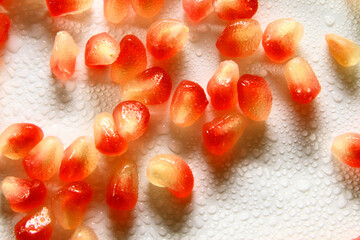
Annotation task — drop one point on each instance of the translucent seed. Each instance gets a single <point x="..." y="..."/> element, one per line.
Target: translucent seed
<point x="240" y="38"/>
<point x="131" y="61"/>
<point x="18" y="139"/>
<point x="197" y="10"/>
<point x="79" y="161"/>
<point x="36" y="226"/>
<point x="188" y="103"/>
<point x="63" y="57"/>
<point x="281" y="39"/>
<point x="122" y="189"/>
<point x="83" y="233"/>
<point x="131" y="119"/>
<point x="302" y="81"/>
<point x="23" y="195"/>
<point x="165" y="38"/>
<point x="70" y="202"/>
<point x="4" y="28"/>
<point x="346" y="148"/>
<point x="345" y="51"/>
<point x="222" y="87"/>
<point x="147" y="8"/>
<point x="222" y="133"/>
<point x="235" y="9"/>
<point x="116" y="10"/>
<point x="107" y="139"/>
<point x="172" y="172"/>
<point x="255" y="97"/>
<point x="44" y="160"/>
<point x="64" y="7"/>
<point x="101" y="50"/>
<point x="151" y="87"/>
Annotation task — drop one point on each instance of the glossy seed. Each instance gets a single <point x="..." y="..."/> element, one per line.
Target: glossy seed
<point x="83" y="233"/>
<point x="198" y="9"/>
<point x="4" y="28"/>
<point x="172" y="172"/>
<point x="345" y="51"/>
<point x="235" y="9"/>
<point x="346" y="148"/>
<point x="64" y="7"/>
<point x="116" y="10"/>
<point x="147" y="8"/>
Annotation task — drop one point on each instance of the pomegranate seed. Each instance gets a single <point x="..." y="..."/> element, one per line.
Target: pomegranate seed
<point x="116" y="10"/>
<point x="79" y="161"/>
<point x="302" y="82"/>
<point x="101" y="50"/>
<point x="163" y="45"/>
<point x="221" y="134"/>
<point x="83" y="233"/>
<point x="63" y="57"/>
<point x="346" y="148"/>
<point x="172" y="172"/>
<point x="131" y="61"/>
<point x="235" y="9"/>
<point x="44" y="160"/>
<point x="222" y="87"/>
<point x="151" y="87"/>
<point x="23" y="195"/>
<point x="18" y="139"/>
<point x="281" y="39"/>
<point x="197" y="10"/>
<point x="147" y="8"/>
<point x="255" y="97"/>
<point x="70" y="202"/>
<point x="4" y="28"/>
<point x="345" y="51"/>
<point x="36" y="226"/>
<point x="188" y="103"/>
<point x="240" y="38"/>
<point x="107" y="139"/>
<point x="122" y="189"/>
<point x="64" y="7"/>
<point x="131" y="119"/>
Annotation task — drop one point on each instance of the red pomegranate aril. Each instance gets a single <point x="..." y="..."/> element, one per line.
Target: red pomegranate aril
<point x="122" y="189"/>
<point x="345" y="51"/>
<point x="116" y="10"/>
<point x="229" y="10"/>
<point x="197" y="9"/>
<point x="131" y="119"/>
<point x="64" y="7"/>
<point x="4" y="28"/>
<point x="255" y="97"/>
<point x="188" y="103"/>
<point x="346" y="148"/>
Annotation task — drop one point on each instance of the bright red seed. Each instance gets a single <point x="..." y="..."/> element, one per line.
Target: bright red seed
<point x="36" y="226"/>
<point x="235" y="9"/>
<point x="172" y="172"/>
<point x="101" y="50"/>
<point x="44" y="160"/>
<point x="4" y="28"/>
<point x="345" y="51"/>
<point x="83" y="233"/>
<point x="147" y="8"/>
<point x="151" y="87"/>
<point x="70" y="202"/>
<point x="79" y="161"/>
<point x="23" y="195"/>
<point x="116" y="10"/>
<point x="198" y="9"/>
<point x="188" y="103"/>
<point x="107" y="139"/>
<point x="221" y="134"/>
<point x="240" y="38"/>
<point x="222" y="87"/>
<point x="123" y="186"/>
<point x="18" y="139"/>
<point x="302" y="81"/>
<point x="131" y="61"/>
<point x="255" y="97"/>
<point x="165" y="38"/>
<point x="346" y="148"/>
<point x="63" y="56"/>
<point x="281" y="39"/>
<point x="64" y="7"/>
<point x="131" y="119"/>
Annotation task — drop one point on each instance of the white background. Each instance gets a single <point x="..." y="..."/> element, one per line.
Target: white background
<point x="279" y="182"/>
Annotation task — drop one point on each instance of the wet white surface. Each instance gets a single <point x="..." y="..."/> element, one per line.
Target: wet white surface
<point x="279" y="182"/>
